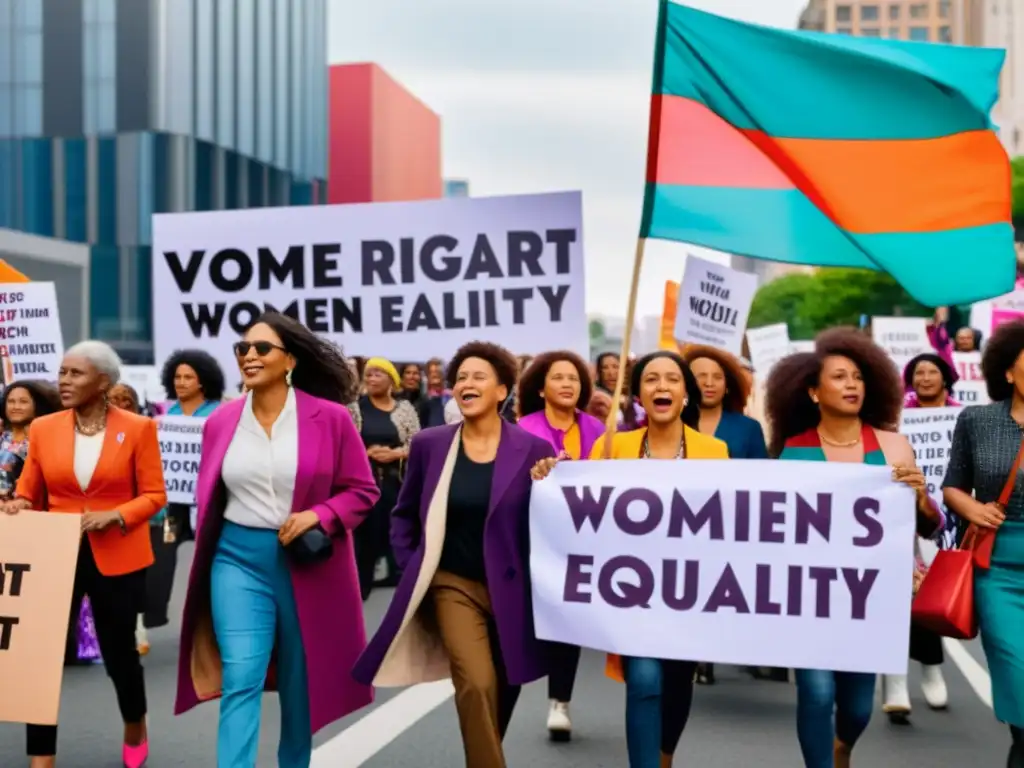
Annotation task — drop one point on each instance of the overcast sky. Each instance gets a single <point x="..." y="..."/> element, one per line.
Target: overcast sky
<point x="541" y="95"/>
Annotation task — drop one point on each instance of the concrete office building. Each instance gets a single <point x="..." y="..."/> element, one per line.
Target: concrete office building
<point x="112" y="111"/>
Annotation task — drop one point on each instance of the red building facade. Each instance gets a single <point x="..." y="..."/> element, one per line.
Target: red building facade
<point x="384" y="143"/>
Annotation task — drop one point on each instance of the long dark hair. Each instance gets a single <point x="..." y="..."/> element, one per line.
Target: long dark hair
<point x="321" y="369"/>
<point x="691" y="411"/>
<point x="44" y="396"/>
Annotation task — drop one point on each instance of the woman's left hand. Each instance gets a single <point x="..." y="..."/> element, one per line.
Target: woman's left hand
<point x="100" y="521"/>
<point x="911" y="476"/>
<point x="389" y="455"/>
<point x="296" y="525"/>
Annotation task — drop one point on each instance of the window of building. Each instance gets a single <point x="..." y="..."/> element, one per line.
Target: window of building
<point x="944" y="9"/>
<point x="265" y="81"/>
<point x="226" y="73"/>
<point x="6" y="117"/>
<point x="894" y="12"/>
<point x="246" y="79"/>
<point x="282" y="84"/>
<point x="945" y="34"/>
<point x="870" y="32"/>
<point x="844" y="13"/>
<point x="844" y="31"/>
<point x="869" y="13"/>
<point x="894" y="33"/>
<point x="28" y="14"/>
<point x="919" y="11"/>
<point x="920" y="34"/>
<point x="28" y="57"/>
<point x="205" y="72"/>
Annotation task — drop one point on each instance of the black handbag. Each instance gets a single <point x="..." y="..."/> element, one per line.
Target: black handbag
<point x="313" y="546"/>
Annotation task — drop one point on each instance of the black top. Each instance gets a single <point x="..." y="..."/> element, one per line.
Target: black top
<point x="378" y="428"/>
<point x="469" y="499"/>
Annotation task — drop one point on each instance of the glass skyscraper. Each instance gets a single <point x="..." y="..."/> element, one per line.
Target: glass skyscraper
<point x="112" y="110"/>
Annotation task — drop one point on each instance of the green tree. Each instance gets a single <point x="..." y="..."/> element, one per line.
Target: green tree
<point x="810" y="303"/>
<point x="1017" y="168"/>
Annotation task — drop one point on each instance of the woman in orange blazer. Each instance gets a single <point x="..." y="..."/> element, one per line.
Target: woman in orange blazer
<point x="104" y="464"/>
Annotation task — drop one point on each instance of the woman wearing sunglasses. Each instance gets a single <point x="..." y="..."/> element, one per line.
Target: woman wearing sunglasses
<point x="283" y="481"/>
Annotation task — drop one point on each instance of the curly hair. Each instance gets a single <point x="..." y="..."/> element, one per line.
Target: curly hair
<point x="737" y="381"/>
<point x="531" y="382"/>
<point x="132" y="394"/>
<point x="208" y="371"/>
<point x="321" y="369"/>
<point x="788" y="403"/>
<point x="45" y="398"/>
<point x="501" y="360"/>
<point x="1004" y="347"/>
<point x="949" y="376"/>
<point x="691" y="411"/>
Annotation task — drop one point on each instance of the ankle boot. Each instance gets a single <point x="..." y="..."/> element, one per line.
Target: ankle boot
<point x="666" y="761"/>
<point x="1016" y="757"/>
<point x="841" y="754"/>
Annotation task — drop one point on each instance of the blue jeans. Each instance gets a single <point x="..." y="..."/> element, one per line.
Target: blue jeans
<point x="254" y="609"/>
<point x="658" y="698"/>
<point x="820" y="694"/>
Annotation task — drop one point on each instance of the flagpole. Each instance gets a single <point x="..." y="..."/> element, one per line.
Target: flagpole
<point x="611" y="427"/>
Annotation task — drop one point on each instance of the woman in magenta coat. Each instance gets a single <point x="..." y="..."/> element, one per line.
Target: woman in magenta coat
<point x="283" y="473"/>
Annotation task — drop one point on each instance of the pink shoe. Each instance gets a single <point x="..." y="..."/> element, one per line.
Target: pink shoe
<point x="135" y="757"/>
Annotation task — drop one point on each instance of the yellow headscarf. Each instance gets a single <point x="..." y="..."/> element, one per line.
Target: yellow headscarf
<point x="381" y="364"/>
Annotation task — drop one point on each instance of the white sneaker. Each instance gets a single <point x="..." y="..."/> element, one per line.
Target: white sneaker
<point x="896" y="701"/>
<point x="933" y="685"/>
<point x="559" y="724"/>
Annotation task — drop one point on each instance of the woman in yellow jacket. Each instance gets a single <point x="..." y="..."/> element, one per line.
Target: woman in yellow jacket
<point x="659" y="692"/>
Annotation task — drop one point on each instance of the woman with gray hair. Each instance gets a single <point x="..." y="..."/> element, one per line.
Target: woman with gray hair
<point x="114" y="479"/>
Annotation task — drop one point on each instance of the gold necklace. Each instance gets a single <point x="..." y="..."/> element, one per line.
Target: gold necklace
<point x="835" y="443"/>
<point x="90" y="430"/>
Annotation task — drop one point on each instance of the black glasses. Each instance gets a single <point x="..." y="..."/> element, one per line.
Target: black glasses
<point x="263" y="348"/>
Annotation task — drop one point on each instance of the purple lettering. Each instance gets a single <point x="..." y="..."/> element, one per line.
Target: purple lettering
<point x="691" y="582"/>
<point x="817" y="516"/>
<point x="771" y="517"/>
<point x="763" y="603"/>
<point x="710" y="514"/>
<point x="742" y="516"/>
<point x="623" y="594"/>
<point x="587" y="507"/>
<point x="655" y="511"/>
<point x="823" y="578"/>
<point x="860" y="589"/>
<point x="576" y="578"/>
<point x="865" y="512"/>
<point x="795" y="591"/>
<point x="727" y="594"/>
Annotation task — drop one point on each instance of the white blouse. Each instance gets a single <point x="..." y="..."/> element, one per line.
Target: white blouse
<point x="87" y="455"/>
<point x="259" y="471"/>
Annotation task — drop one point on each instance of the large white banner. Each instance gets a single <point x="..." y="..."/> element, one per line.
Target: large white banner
<point x="780" y="565"/>
<point x="31" y="342"/>
<point x="970" y="388"/>
<point x="181" y="445"/>
<point x="713" y="305"/>
<point x="406" y="280"/>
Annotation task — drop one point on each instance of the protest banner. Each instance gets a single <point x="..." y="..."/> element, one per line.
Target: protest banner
<point x="181" y="445"/>
<point x="1002" y="315"/>
<point x="767" y="346"/>
<point x="31" y="343"/>
<point x="970" y="388"/>
<point x="145" y="380"/>
<point x="930" y="432"/>
<point x="713" y="305"/>
<point x="38" y="555"/>
<point x="776" y="565"/>
<point x="414" y="279"/>
<point x="902" y="338"/>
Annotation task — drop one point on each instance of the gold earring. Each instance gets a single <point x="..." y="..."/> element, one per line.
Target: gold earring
<point x="288" y="377"/>
<point x="815" y="400"/>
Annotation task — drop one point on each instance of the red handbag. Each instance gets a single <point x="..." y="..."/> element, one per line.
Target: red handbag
<point x="945" y="601"/>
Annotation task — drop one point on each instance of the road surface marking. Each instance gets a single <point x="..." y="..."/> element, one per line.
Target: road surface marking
<point x="975" y="674"/>
<point x="370" y="734"/>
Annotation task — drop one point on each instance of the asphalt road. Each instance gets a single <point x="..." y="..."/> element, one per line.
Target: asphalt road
<point x="737" y="723"/>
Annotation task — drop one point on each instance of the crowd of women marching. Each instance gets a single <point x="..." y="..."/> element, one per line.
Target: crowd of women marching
<point x="327" y="477"/>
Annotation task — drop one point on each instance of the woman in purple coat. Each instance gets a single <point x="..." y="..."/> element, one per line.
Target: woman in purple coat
<point x="460" y="534"/>
<point x="554" y="392"/>
<point x="283" y="481"/>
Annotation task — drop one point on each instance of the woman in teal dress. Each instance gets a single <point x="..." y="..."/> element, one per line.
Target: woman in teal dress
<point x="985" y="445"/>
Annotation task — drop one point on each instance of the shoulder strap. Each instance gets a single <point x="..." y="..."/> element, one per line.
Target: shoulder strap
<point x="1011" y="481"/>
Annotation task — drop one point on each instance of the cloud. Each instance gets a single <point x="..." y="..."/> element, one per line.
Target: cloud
<point x="541" y="95"/>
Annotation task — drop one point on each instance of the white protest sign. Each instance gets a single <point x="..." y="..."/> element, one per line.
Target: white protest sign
<point x="902" y="338"/>
<point x="713" y="305"/>
<point x="930" y="432"/>
<point x="801" y="346"/>
<point x="31" y="343"/>
<point x="410" y="280"/>
<point x="784" y="564"/>
<point x="181" y="444"/>
<point x="767" y="346"/>
<point x="970" y="388"/>
<point x="145" y="380"/>
<point x="981" y="311"/>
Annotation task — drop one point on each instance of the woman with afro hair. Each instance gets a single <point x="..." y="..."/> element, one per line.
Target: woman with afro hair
<point x="987" y="451"/>
<point x="841" y="403"/>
